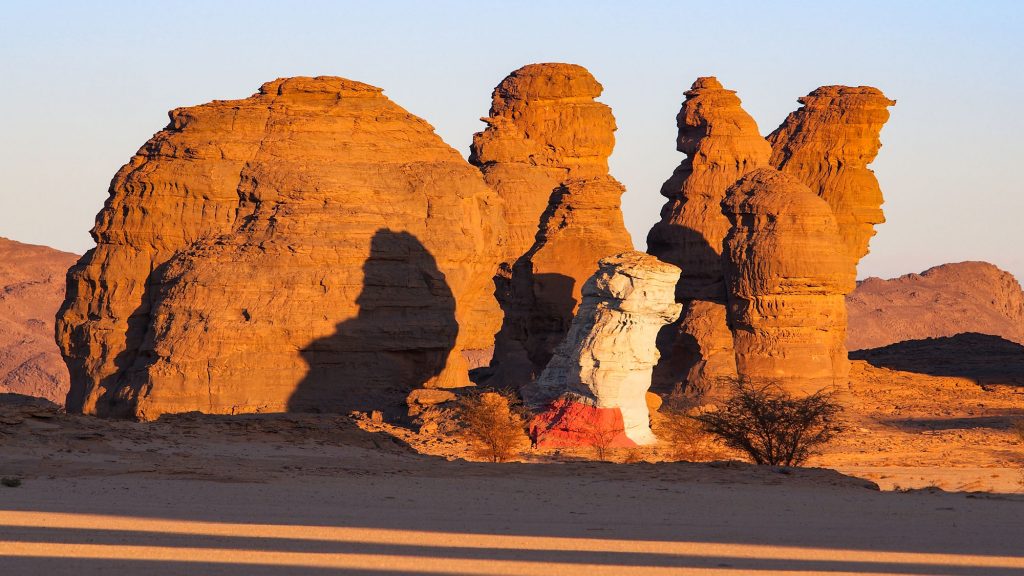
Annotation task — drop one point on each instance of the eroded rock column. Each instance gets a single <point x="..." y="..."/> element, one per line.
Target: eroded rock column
<point x="597" y="381"/>
<point x="787" y="275"/>
<point x="827" y="144"/>
<point x="721" y="142"/>
<point x="545" y="151"/>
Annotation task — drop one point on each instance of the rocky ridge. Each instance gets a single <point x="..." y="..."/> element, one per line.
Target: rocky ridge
<point x="31" y="290"/>
<point x="942" y="301"/>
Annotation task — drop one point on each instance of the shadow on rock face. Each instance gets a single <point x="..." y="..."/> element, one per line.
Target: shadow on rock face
<point x="679" y="366"/>
<point x="986" y="359"/>
<point x="118" y="392"/>
<point x="400" y="339"/>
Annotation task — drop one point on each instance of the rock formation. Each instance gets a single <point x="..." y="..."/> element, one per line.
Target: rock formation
<point x="601" y="371"/>
<point x="721" y="142"/>
<point x="545" y="151"/>
<point x="543" y="129"/>
<point x="31" y="289"/>
<point x="786" y="281"/>
<point x="312" y="247"/>
<point x="942" y="301"/>
<point x="827" y="144"/>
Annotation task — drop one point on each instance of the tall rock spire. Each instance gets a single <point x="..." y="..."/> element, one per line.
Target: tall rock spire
<point x="545" y="151"/>
<point x="722" y="143"/>
<point x="827" y="144"/>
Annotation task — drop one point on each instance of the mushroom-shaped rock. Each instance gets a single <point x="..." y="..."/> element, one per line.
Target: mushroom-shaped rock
<point x="827" y="144"/>
<point x="545" y="151"/>
<point x="312" y="247"/>
<point x="721" y="142"/>
<point x="595" y="386"/>
<point x="787" y="274"/>
<point x="544" y="128"/>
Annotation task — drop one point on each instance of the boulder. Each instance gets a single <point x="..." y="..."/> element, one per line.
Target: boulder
<point x="312" y="247"/>
<point x="422" y="398"/>
<point x="827" y="144"/>
<point x="787" y="276"/>
<point x="545" y="151"/>
<point x="595" y="389"/>
<point x="722" y="143"/>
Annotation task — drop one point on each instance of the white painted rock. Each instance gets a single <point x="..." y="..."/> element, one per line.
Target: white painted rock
<point x="595" y="386"/>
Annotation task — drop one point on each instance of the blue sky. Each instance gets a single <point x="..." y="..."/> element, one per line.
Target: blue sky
<point x="85" y="84"/>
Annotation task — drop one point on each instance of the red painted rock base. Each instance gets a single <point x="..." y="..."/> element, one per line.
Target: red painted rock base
<point x="569" y="423"/>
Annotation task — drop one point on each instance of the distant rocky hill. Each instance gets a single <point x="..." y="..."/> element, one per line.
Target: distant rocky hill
<point x="31" y="290"/>
<point x="941" y="301"/>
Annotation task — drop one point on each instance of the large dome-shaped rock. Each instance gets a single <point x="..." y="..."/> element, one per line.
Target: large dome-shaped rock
<point x="314" y="246"/>
<point x="31" y="290"/>
<point x="545" y="151"/>
<point x="721" y="142"/>
<point x="787" y="276"/>
<point x="596" y="384"/>
<point x="827" y="144"/>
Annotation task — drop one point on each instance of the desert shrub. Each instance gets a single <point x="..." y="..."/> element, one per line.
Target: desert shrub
<point x="772" y="426"/>
<point x="601" y="440"/>
<point x="686" y="437"/>
<point x="493" y="424"/>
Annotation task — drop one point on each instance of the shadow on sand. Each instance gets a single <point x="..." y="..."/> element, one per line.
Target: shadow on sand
<point x="983" y="358"/>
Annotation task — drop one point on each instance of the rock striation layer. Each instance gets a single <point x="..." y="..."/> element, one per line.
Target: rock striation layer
<point x="942" y="301"/>
<point x="545" y="151"/>
<point x="312" y="247"/>
<point x="31" y="290"/>
<point x="722" y="143"/>
<point x="827" y="144"/>
<point x="600" y="374"/>
<point x="786" y="281"/>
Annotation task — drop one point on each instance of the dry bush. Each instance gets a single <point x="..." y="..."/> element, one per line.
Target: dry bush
<point x="686" y="437"/>
<point x="493" y="423"/>
<point x="601" y="440"/>
<point x="772" y="426"/>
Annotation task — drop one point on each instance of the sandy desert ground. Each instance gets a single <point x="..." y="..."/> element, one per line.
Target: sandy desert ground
<point x="317" y="494"/>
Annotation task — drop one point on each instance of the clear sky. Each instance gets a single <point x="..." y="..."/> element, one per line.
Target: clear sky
<point x="85" y="84"/>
